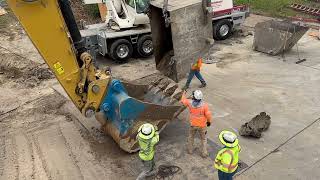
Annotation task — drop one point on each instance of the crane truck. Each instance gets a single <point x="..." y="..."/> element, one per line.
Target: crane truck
<point x="127" y="26"/>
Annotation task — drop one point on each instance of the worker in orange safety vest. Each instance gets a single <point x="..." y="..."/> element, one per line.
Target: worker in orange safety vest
<point x="195" y="71"/>
<point x="200" y="119"/>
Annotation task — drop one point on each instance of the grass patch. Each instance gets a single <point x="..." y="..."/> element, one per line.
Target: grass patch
<point x="275" y="8"/>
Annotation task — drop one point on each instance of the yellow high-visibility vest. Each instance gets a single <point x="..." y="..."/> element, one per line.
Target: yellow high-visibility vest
<point x="227" y="159"/>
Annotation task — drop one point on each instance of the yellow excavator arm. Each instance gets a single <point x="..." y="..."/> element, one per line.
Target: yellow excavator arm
<point x="46" y="26"/>
<point x="120" y="107"/>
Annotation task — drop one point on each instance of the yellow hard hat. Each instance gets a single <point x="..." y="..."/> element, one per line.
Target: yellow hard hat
<point x="228" y="139"/>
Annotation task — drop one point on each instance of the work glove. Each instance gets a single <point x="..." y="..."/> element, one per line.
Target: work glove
<point x="208" y="124"/>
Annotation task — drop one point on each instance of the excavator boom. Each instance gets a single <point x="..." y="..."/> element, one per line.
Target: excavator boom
<point x="120" y="107"/>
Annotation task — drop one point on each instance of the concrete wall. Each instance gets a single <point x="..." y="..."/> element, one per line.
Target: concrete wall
<point x="189" y="34"/>
<point x="186" y="35"/>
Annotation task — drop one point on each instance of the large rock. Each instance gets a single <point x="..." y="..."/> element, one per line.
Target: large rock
<point x="256" y="126"/>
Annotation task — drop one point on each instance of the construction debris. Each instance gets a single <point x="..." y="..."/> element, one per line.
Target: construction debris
<point x="275" y="37"/>
<point x="256" y="126"/>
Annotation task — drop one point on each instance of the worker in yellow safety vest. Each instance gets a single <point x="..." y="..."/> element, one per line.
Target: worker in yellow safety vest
<point x="226" y="161"/>
<point x="147" y="137"/>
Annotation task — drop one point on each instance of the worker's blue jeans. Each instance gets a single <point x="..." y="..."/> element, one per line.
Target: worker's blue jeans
<point x="225" y="176"/>
<point x="193" y="73"/>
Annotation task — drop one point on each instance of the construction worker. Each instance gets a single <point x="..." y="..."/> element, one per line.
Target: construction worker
<point x="195" y="71"/>
<point x="200" y="119"/>
<point x="147" y="137"/>
<point x="227" y="158"/>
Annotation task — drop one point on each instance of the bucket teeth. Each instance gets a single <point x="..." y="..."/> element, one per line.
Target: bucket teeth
<point x="157" y="81"/>
<point x="164" y="83"/>
<point x="170" y="89"/>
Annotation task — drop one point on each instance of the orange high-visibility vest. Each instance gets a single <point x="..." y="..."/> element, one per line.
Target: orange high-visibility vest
<point x="199" y="116"/>
<point x="197" y="65"/>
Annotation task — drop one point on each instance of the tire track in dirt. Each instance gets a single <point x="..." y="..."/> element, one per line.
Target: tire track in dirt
<point x="2" y="154"/>
<point x="40" y="158"/>
<point x="82" y="153"/>
<point x="24" y="157"/>
<point x="58" y="157"/>
<point x="10" y="168"/>
<point x="39" y="167"/>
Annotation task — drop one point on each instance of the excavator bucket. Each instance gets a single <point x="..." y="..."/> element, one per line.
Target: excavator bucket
<point x="127" y="106"/>
<point x="275" y="37"/>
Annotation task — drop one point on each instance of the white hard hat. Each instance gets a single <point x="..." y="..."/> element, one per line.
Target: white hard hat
<point x="146" y="129"/>
<point x="230" y="137"/>
<point x="197" y="94"/>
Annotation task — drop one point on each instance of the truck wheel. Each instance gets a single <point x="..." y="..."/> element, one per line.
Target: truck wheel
<point x="222" y="29"/>
<point x="121" y="50"/>
<point x="144" y="46"/>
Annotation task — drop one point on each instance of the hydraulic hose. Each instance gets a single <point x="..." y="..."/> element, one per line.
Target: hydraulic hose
<point x="71" y="23"/>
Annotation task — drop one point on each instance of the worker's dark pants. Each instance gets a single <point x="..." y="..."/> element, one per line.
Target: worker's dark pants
<point x="225" y="176"/>
<point x="193" y="73"/>
<point x="148" y="169"/>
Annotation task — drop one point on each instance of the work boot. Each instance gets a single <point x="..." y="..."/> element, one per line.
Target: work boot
<point x="203" y="85"/>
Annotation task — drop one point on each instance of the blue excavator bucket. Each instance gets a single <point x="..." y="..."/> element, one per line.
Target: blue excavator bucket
<point x="127" y="106"/>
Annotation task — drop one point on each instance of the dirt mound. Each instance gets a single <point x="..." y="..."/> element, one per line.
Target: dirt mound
<point x="50" y="104"/>
<point x="256" y="126"/>
<point x="10" y="60"/>
<point x="32" y="77"/>
<point x="23" y="71"/>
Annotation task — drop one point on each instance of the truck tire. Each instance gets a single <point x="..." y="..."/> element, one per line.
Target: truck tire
<point x="222" y="29"/>
<point x="144" y="46"/>
<point x="121" y="50"/>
